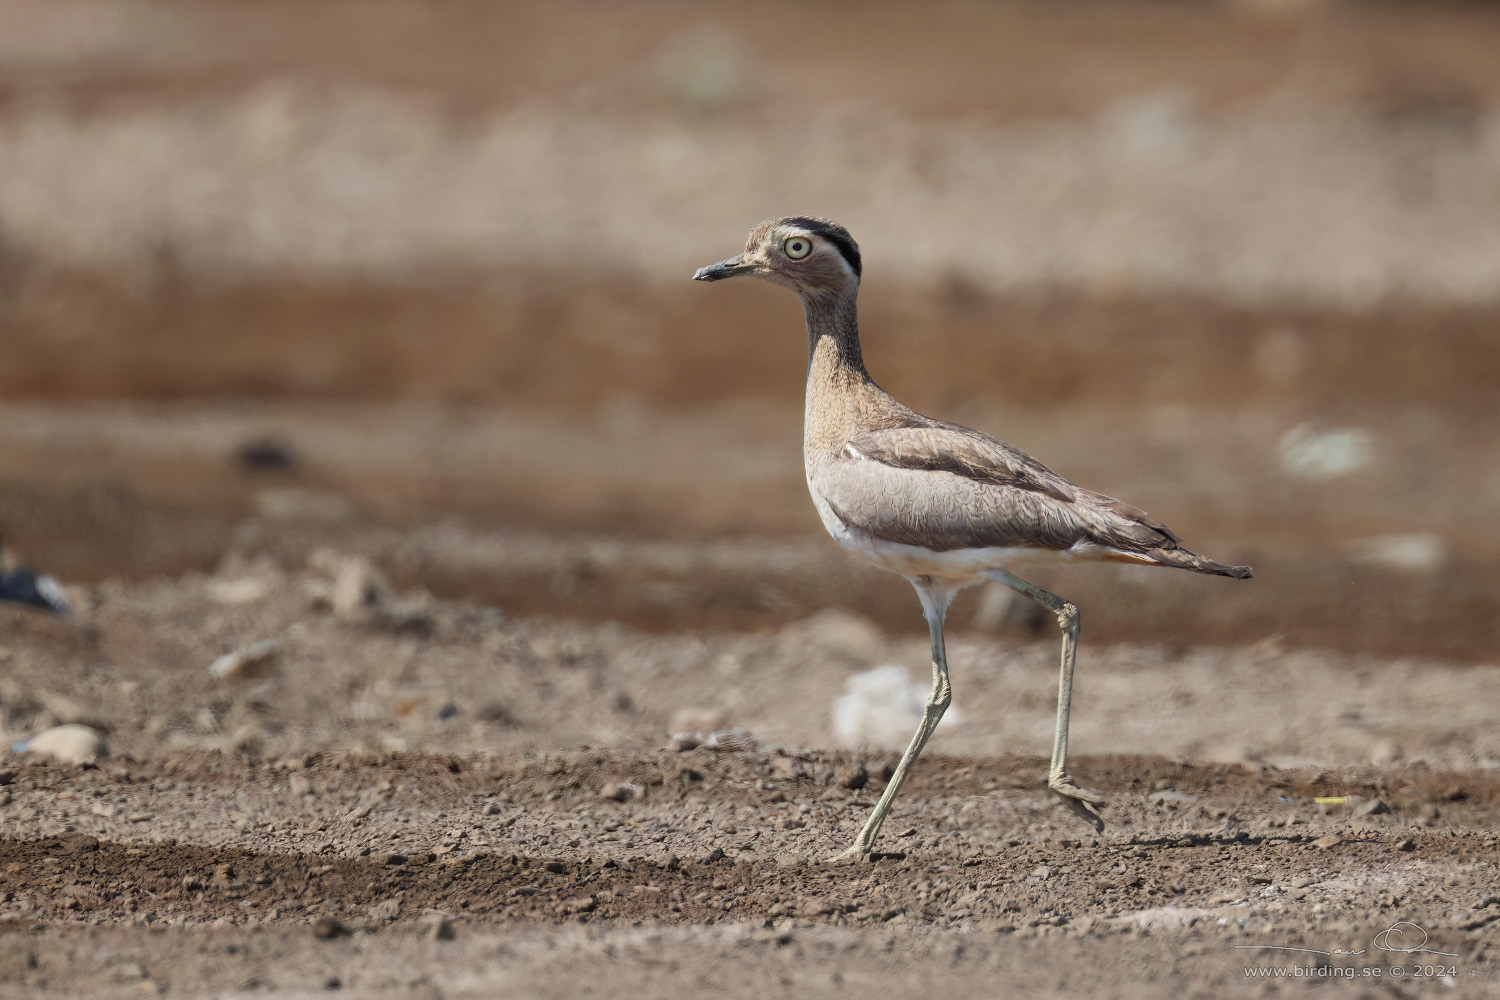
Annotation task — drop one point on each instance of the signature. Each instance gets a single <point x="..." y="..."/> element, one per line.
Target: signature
<point x="1402" y="937"/>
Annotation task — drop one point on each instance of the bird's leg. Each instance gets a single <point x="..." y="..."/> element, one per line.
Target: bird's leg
<point x="935" y="599"/>
<point x="1058" y="779"/>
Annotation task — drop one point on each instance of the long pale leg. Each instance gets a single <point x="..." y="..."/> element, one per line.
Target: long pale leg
<point x="1077" y="799"/>
<point x="935" y="596"/>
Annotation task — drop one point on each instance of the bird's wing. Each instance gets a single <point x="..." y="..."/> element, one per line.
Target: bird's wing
<point x="939" y="447"/>
<point x="889" y="483"/>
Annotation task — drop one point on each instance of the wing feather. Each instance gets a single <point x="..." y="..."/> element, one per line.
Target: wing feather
<point x="996" y="496"/>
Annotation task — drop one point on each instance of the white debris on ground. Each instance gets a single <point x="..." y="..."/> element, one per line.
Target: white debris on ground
<point x="71" y="744"/>
<point x="259" y="659"/>
<point x="881" y="707"/>
<point x="1311" y="452"/>
<point x="1421" y="552"/>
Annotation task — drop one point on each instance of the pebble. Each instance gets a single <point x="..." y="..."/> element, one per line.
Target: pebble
<point x="851" y="776"/>
<point x="357" y="587"/>
<point x="578" y="904"/>
<point x="389" y="859"/>
<point x="1323" y="843"/>
<point x="73" y="744"/>
<point x="1406" y="845"/>
<point x="621" y="791"/>
<point x="326" y="928"/>
<point x="555" y="867"/>
<point x="259" y="659"/>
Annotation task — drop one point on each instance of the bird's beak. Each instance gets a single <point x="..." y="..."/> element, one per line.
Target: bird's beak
<point x="723" y="269"/>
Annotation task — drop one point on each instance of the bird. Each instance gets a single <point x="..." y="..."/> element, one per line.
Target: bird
<point x="944" y="506"/>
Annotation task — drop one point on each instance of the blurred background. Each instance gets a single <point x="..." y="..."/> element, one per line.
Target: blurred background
<point x="410" y="280"/>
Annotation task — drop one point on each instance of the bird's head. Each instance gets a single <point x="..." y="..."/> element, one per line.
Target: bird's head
<point x="809" y="256"/>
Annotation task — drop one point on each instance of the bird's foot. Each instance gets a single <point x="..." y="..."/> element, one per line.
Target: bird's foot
<point x="1080" y="800"/>
<point x="856" y="853"/>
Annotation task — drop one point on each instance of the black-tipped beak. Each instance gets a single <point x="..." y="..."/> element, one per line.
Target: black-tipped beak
<point x="723" y="269"/>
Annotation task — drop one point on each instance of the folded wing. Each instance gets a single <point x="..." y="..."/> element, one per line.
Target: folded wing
<point x="993" y="495"/>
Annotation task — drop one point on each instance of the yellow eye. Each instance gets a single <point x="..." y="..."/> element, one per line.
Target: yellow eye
<point x="797" y="247"/>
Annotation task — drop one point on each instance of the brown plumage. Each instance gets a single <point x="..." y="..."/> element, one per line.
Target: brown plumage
<point x="941" y="504"/>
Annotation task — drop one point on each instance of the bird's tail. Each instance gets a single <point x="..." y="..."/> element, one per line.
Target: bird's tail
<point x="1184" y="559"/>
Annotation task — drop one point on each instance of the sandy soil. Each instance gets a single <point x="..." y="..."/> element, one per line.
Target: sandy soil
<point x="400" y="775"/>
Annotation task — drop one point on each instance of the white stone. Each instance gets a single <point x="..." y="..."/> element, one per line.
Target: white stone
<point x="1416" y="552"/>
<point x="73" y="744"/>
<point x="881" y="708"/>
<point x="259" y="659"/>
<point x="1310" y="452"/>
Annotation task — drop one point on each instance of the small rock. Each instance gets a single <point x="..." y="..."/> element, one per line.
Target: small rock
<point x="241" y="590"/>
<point x="72" y="744"/>
<point x="880" y="707"/>
<point x="266" y="454"/>
<point x="358" y="587"/>
<point x="326" y="927"/>
<point x="1323" y="843"/>
<point x="555" y="867"/>
<point x="7" y="776"/>
<point x="1041" y="871"/>
<point x="1407" y="845"/>
<point x="256" y="660"/>
<point x="717" y="854"/>
<point x="667" y="861"/>
<point x="1416" y="552"/>
<point x="389" y="859"/>
<point x="683" y="742"/>
<point x="384" y="911"/>
<point x="1374" y="807"/>
<point x="851" y="776"/>
<point x="738" y="739"/>
<point x="1315" y="453"/>
<point x="578" y="904"/>
<point x="621" y="791"/>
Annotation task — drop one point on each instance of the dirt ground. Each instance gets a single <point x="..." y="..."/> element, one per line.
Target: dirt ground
<point x="362" y="330"/>
<point x="427" y="798"/>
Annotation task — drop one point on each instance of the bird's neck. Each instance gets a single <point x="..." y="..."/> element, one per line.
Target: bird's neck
<point x="833" y="354"/>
